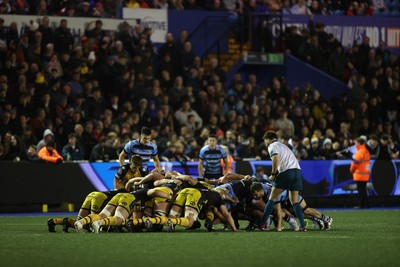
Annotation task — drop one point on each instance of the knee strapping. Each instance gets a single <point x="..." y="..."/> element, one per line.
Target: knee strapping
<point x="106" y="213"/>
<point x="119" y="215"/>
<point x="174" y="214"/>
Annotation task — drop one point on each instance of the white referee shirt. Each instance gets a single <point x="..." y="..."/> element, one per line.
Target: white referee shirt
<point x="287" y="159"/>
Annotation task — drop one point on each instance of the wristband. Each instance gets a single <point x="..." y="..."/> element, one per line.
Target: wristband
<point x="274" y="174"/>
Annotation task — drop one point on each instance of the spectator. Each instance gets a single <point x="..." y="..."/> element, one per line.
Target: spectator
<point x="103" y="151"/>
<point x="182" y="114"/>
<point x="327" y="151"/>
<point x="63" y="38"/>
<point x="242" y="148"/>
<point x="314" y="152"/>
<point x="72" y="151"/>
<point x="373" y="146"/>
<point x="300" y="8"/>
<point x="260" y="175"/>
<point x="32" y="154"/>
<point x="387" y="149"/>
<point x="191" y="5"/>
<point x="297" y="148"/>
<point x="285" y="124"/>
<point x="337" y="63"/>
<point x="16" y="150"/>
<point x="27" y="137"/>
<point x="84" y="10"/>
<point x="131" y="4"/>
<point x="177" y="93"/>
<point x="49" y="154"/>
<point x="48" y="136"/>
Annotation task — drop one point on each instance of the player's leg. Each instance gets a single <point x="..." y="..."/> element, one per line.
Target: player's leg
<point x="293" y="197"/>
<point x="122" y="212"/>
<point x="295" y="186"/>
<point x="107" y="211"/>
<point x="192" y="198"/>
<point x="118" y="219"/>
<point x="161" y="205"/>
<point x="275" y="192"/>
<point x="187" y="221"/>
<point x="322" y="221"/>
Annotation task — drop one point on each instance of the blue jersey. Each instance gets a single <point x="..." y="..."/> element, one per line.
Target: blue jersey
<point x="134" y="147"/>
<point x="231" y="194"/>
<point x="212" y="161"/>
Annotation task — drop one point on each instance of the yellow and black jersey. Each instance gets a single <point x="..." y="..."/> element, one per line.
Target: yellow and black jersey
<point x="141" y="196"/>
<point x="124" y="174"/>
<point x="173" y="186"/>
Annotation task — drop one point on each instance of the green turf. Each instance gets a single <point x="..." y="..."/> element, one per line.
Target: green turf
<point x="358" y="238"/>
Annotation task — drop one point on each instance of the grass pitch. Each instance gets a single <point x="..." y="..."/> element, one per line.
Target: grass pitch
<point x="357" y="238"/>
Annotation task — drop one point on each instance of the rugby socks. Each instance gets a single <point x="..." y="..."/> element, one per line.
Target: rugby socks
<point x="267" y="211"/>
<point x="136" y="221"/>
<point x="324" y="218"/>
<point x="180" y="221"/>
<point x="299" y="214"/>
<point x="109" y="221"/>
<point x="71" y="221"/>
<point x="162" y="220"/>
<point x="210" y="215"/>
<point x="287" y="218"/>
<point x="57" y="221"/>
<point x="91" y="218"/>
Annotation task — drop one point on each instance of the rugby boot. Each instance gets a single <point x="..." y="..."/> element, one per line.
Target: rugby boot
<point x="196" y="224"/>
<point x="209" y="225"/>
<point x="51" y="225"/>
<point x="170" y="226"/>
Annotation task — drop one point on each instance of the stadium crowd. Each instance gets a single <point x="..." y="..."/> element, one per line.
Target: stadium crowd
<point x="110" y="8"/>
<point x="91" y="95"/>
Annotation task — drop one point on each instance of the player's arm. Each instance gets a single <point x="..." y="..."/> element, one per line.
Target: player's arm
<point x="157" y="163"/>
<point x="192" y="181"/>
<point x="117" y="183"/>
<point x="229" y="199"/>
<point x="225" y="170"/>
<point x="132" y="182"/>
<point x="275" y="163"/>
<point x="228" y="217"/>
<point x="231" y="177"/>
<point x="162" y="182"/>
<point x="122" y="157"/>
<point x="159" y="193"/>
<point x="200" y="168"/>
<point x="153" y="176"/>
<point x="119" y="177"/>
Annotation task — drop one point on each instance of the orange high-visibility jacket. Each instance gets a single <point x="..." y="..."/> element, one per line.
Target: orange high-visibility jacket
<point x="360" y="166"/>
<point x="49" y="157"/>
